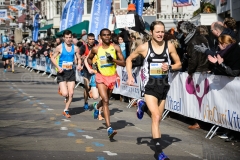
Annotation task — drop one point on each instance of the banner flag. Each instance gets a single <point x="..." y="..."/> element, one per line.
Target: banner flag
<point x="139" y="6"/>
<point x="36" y="27"/>
<point x="99" y="16"/>
<point x="64" y="16"/>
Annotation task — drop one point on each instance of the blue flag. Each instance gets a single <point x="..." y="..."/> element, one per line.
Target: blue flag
<point x="35" y="28"/>
<point x="99" y="16"/>
<point x="64" y="16"/>
<point x="73" y="13"/>
<point x="139" y="6"/>
<point x="79" y="11"/>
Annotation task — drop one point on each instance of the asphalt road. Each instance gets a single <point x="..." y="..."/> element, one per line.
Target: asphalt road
<point x="32" y="127"/>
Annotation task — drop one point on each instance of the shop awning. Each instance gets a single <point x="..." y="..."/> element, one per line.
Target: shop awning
<point x="77" y="29"/>
<point x="46" y="27"/>
<point x="22" y="18"/>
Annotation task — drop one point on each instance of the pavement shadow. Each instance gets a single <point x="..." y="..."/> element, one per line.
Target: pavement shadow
<point x="114" y="110"/>
<point x="117" y="125"/>
<point x="77" y="99"/>
<point x="166" y="141"/>
<point x="76" y="110"/>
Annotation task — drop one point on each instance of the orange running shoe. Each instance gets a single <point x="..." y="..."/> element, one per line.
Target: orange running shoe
<point x="66" y="114"/>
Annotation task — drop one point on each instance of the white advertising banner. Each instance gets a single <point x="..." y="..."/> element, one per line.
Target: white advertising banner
<point x="134" y="90"/>
<point x="30" y="61"/>
<point x="42" y="65"/>
<point x="209" y="98"/>
<point x="126" y="20"/>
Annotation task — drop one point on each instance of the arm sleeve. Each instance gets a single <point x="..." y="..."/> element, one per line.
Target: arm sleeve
<point x="210" y="52"/>
<point x="228" y="70"/>
<point x="193" y="59"/>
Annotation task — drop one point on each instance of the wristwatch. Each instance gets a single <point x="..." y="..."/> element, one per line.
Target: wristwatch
<point x="170" y="68"/>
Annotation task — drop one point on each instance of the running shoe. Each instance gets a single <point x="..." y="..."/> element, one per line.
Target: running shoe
<point x="140" y="112"/>
<point x="85" y="106"/>
<point x="95" y="111"/>
<point x="66" y="114"/>
<point x="162" y="156"/>
<point x="224" y="136"/>
<point x="111" y="132"/>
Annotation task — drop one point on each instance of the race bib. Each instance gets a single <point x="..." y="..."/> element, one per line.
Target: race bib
<point x="156" y="69"/>
<point x="67" y="65"/>
<point x="104" y="62"/>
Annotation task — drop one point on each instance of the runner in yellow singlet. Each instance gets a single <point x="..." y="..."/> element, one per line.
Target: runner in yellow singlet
<point x="108" y="56"/>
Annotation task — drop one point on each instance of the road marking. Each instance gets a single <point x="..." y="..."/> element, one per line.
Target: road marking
<point x="31" y="96"/>
<point x="40" y="103"/>
<point x="72" y="125"/>
<point x="110" y="153"/>
<point x="98" y="144"/>
<point x="89" y="149"/>
<point x="52" y="118"/>
<point x="87" y="136"/>
<point x="101" y="158"/>
<point x="34" y="105"/>
<point x="79" y="130"/>
<point x="39" y="108"/>
<point x="194" y="155"/>
<point x="57" y="123"/>
<point x="63" y="128"/>
<point x="28" y="100"/>
<point x="50" y="109"/>
<point x="79" y="141"/>
<point x="66" y="120"/>
<point x="71" y="134"/>
<point x="139" y="129"/>
<point x="43" y="111"/>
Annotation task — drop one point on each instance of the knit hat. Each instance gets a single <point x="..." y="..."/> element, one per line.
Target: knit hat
<point x="131" y="7"/>
<point x="189" y="29"/>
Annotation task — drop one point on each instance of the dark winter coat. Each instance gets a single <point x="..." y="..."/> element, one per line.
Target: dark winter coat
<point x="197" y="62"/>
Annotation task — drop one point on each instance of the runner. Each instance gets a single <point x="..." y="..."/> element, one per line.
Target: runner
<point x="11" y="55"/>
<point x="155" y="68"/>
<point x="108" y="56"/>
<point x="84" y="51"/>
<point x="63" y="59"/>
<point x="5" y="60"/>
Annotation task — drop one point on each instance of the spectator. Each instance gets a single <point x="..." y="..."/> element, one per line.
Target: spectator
<point x="84" y="35"/>
<point x="227" y="61"/>
<point x="122" y="46"/>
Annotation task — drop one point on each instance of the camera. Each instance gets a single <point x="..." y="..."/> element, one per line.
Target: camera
<point x="109" y="57"/>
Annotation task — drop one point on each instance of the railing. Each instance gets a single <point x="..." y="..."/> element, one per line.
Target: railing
<point x="174" y="16"/>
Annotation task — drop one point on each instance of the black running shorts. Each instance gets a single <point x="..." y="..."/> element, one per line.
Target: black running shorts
<point x="66" y="75"/>
<point x="157" y="88"/>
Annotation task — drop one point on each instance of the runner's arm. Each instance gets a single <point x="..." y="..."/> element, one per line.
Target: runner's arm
<point x="91" y="55"/>
<point x="77" y="51"/>
<point x="120" y="59"/>
<point x="54" y="57"/>
<point x="173" y="53"/>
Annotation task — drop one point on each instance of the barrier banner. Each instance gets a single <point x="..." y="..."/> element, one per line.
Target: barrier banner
<point x="34" y="63"/>
<point x="133" y="91"/>
<point x="79" y="77"/>
<point x="42" y="64"/>
<point x="23" y="59"/>
<point x="209" y="98"/>
<point x="48" y="65"/>
<point x="29" y="61"/>
<point x="38" y="63"/>
<point x="26" y="62"/>
<point x="53" y="70"/>
<point x="16" y="58"/>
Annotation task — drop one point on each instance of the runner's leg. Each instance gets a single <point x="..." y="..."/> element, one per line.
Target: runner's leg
<point x="70" y="88"/>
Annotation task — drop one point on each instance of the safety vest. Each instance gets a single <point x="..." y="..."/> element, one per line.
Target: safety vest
<point x="106" y="67"/>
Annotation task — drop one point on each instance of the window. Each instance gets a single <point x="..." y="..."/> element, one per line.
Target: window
<point x="89" y="6"/>
<point x="58" y="7"/>
<point x="12" y="2"/>
<point x="2" y="2"/>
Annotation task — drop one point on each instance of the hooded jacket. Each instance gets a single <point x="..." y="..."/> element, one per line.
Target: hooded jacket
<point x="197" y="62"/>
